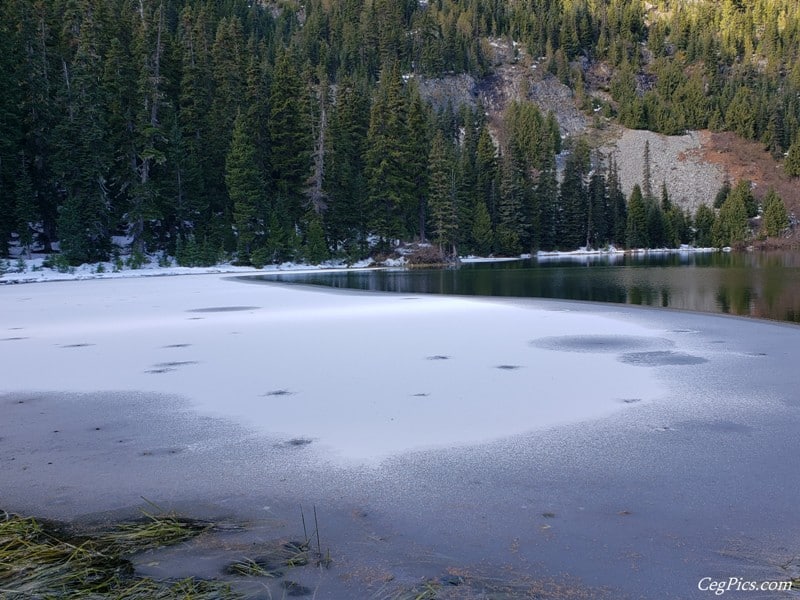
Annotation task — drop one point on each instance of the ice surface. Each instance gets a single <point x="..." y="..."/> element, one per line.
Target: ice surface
<point x="363" y="384"/>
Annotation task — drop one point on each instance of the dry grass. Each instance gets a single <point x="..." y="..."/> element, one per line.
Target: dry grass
<point x="43" y="560"/>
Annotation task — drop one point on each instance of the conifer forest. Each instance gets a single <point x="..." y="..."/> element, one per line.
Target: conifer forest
<point x="267" y="131"/>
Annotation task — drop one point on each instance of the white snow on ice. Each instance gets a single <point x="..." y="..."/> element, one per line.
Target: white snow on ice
<point x="364" y="376"/>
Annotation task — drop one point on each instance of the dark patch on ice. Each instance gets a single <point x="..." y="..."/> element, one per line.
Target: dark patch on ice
<point x="15" y="328"/>
<point x="79" y="345"/>
<point x="176" y="346"/>
<point x="296" y="442"/>
<point x="756" y="354"/>
<point x="410" y="298"/>
<point x="162" y="452"/>
<point x="718" y="341"/>
<point x="549" y="515"/>
<point x="631" y="400"/>
<point x="158" y="371"/>
<point x="661" y="358"/>
<point x="421" y="395"/>
<point x="174" y="363"/>
<point x="438" y="357"/>
<point x="12" y="339"/>
<point x="599" y="343"/>
<point x="210" y="309"/>
<point x="195" y="319"/>
<point x="279" y="393"/>
<point x="508" y="367"/>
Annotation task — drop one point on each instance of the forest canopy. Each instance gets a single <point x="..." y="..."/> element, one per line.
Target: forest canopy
<point x="284" y="130"/>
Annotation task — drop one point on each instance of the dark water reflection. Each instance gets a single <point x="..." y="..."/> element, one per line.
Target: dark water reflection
<point x="763" y="285"/>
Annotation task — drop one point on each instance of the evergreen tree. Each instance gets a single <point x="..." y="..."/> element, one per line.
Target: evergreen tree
<point x="245" y="188"/>
<point x="730" y="226"/>
<point x="598" y="221"/>
<point x="289" y="138"/>
<point x="647" y="177"/>
<point x="742" y="191"/>
<point x="482" y="234"/>
<point x="345" y="182"/>
<point x="316" y="248"/>
<point x="486" y="173"/>
<point x="547" y="205"/>
<point x="511" y="225"/>
<point x="573" y="199"/>
<point x="83" y="157"/>
<point x="195" y="152"/>
<point x="636" y="232"/>
<point x="391" y="186"/>
<point x="618" y="208"/>
<point x="791" y="165"/>
<point x="149" y="136"/>
<point x="10" y="124"/>
<point x="775" y="218"/>
<point x="703" y="226"/>
<point x="442" y="194"/>
<point x="26" y="212"/>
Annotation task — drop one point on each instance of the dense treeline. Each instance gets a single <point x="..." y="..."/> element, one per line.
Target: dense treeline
<point x="296" y="130"/>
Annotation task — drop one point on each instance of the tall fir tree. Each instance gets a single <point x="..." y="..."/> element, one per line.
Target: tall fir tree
<point x="83" y="159"/>
<point x="245" y="187"/>
<point x="442" y="192"/>
<point x="573" y="199"/>
<point x="391" y="185"/>
<point x="636" y="231"/>
<point x="776" y="221"/>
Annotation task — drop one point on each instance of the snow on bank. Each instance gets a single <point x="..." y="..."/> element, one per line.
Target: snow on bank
<point x="361" y="376"/>
<point x="33" y="270"/>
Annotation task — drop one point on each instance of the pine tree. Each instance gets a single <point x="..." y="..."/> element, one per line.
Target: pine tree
<point x="791" y="165"/>
<point x="511" y="226"/>
<point x="290" y="137"/>
<point x="547" y="205"/>
<point x="618" y="208"/>
<point x="598" y="221"/>
<point x="442" y="194"/>
<point x="345" y="182"/>
<point x="391" y="186"/>
<point x="482" y="234"/>
<point x="149" y="136"/>
<point x="730" y="226"/>
<point x="636" y="232"/>
<point x="486" y="173"/>
<point x="245" y="188"/>
<point x="83" y="156"/>
<point x="703" y="226"/>
<point x="573" y="199"/>
<point x="195" y="153"/>
<point x="10" y="124"/>
<point x="647" y="177"/>
<point x="26" y="212"/>
<point x="775" y="218"/>
<point x="316" y="248"/>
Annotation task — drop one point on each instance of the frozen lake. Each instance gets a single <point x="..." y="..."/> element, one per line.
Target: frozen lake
<point x="583" y="450"/>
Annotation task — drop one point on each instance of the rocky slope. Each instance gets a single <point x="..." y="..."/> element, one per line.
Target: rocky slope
<point x="694" y="166"/>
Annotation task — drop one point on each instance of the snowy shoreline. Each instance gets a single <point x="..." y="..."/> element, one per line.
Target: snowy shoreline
<point x="20" y="270"/>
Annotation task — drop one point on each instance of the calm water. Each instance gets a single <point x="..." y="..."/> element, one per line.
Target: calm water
<point x="763" y="285"/>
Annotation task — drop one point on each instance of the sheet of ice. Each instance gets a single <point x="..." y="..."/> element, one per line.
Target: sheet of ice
<point x="362" y="376"/>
